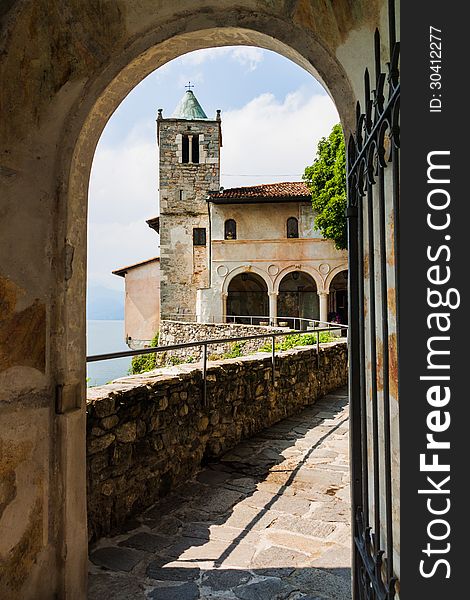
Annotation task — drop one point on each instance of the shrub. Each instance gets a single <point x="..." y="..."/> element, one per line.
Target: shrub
<point x="176" y="360"/>
<point x="299" y="339"/>
<point x="144" y="362"/>
<point x="235" y="350"/>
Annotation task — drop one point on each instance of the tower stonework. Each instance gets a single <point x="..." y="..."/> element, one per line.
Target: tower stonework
<point x="189" y="166"/>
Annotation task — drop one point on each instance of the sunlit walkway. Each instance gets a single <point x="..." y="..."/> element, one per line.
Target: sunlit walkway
<point x="270" y="520"/>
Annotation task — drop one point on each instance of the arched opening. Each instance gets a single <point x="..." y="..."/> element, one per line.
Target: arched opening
<point x="247" y="294"/>
<point x="230" y="229"/>
<point x="292" y="227"/>
<point x="338" y="298"/>
<point x="247" y="300"/>
<point x="190" y="148"/>
<point x="153" y="51"/>
<point x="298" y="299"/>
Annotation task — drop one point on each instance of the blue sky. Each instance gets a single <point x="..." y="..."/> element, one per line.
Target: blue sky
<point x="225" y="78"/>
<point x="273" y="115"/>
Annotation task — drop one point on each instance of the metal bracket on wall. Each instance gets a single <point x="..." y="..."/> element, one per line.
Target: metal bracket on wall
<point x="67" y="398"/>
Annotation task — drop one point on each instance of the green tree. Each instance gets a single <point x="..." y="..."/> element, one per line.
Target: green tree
<point x="326" y="179"/>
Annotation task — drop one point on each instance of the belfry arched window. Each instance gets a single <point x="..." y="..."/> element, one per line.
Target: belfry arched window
<point x="195" y="149"/>
<point x="185" y="149"/>
<point x="230" y="230"/>
<point x="190" y="148"/>
<point x="292" y="227"/>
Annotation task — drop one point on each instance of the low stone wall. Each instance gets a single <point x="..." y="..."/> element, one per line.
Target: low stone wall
<point x="148" y="433"/>
<point x="178" y="332"/>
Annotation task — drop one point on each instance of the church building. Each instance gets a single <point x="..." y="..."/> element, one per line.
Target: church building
<point x="247" y="254"/>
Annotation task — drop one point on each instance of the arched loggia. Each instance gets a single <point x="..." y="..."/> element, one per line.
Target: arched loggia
<point x="298" y="298"/>
<point x="247" y="300"/>
<point x="338" y="298"/>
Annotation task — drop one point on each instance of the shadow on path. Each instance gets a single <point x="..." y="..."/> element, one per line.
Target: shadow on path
<point x="269" y="520"/>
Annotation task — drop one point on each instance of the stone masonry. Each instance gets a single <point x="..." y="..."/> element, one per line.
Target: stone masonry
<point x="178" y="332"/>
<point x="183" y="207"/>
<point x="148" y="433"/>
<point x="269" y="520"/>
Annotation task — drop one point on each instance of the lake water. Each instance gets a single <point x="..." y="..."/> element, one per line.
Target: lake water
<point x="106" y="336"/>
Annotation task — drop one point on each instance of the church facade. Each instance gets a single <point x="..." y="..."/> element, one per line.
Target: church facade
<point x="247" y="254"/>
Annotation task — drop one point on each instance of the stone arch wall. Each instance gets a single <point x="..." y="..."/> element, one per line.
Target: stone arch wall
<point x="294" y="301"/>
<point x="314" y="274"/>
<point x="251" y="299"/>
<point x="250" y="269"/>
<point x="332" y="274"/>
<point x="65" y="69"/>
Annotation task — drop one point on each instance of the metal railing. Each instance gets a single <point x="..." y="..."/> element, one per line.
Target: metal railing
<point x="265" y="321"/>
<point x="208" y="342"/>
<point x="299" y="323"/>
<point x="182" y="317"/>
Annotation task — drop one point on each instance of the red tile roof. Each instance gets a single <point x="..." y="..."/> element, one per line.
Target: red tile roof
<point x="295" y="190"/>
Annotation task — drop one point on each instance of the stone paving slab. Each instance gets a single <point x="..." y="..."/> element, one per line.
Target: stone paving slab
<point x="116" y="559"/>
<point x="148" y="542"/>
<point x="268" y="521"/>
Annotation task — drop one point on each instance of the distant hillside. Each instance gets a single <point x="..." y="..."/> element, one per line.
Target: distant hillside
<point x="104" y="304"/>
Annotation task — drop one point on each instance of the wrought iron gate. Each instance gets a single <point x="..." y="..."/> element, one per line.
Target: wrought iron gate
<point x="373" y="203"/>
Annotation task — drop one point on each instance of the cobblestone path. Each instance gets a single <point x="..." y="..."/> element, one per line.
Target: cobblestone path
<point x="269" y="521"/>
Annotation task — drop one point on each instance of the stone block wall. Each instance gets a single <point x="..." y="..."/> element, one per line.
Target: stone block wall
<point x="148" y="433"/>
<point x="177" y="332"/>
<point x="183" y="207"/>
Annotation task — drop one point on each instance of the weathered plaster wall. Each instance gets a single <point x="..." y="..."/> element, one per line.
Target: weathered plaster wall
<point x="275" y="258"/>
<point x="142" y="304"/>
<point x="147" y="433"/>
<point x="65" y="67"/>
<point x="24" y="489"/>
<point x="262" y="221"/>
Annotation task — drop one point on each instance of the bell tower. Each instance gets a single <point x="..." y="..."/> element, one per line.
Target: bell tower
<point x="189" y="166"/>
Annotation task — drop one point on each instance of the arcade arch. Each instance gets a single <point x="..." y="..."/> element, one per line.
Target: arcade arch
<point x="338" y="297"/>
<point x="247" y="298"/>
<point x="298" y="297"/>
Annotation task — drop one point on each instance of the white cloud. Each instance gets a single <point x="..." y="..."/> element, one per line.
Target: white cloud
<point x="195" y="77"/>
<point x="123" y="193"/>
<point x="267" y="140"/>
<point x="247" y="56"/>
<point x="117" y="244"/>
<point x="198" y="57"/>
<point x="124" y="179"/>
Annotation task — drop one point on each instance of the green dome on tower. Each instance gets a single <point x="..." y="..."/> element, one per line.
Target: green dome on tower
<point x="189" y="108"/>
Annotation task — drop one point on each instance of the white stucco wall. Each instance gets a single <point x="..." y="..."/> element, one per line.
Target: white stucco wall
<point x="262" y="247"/>
<point x="142" y="305"/>
<point x="261" y="222"/>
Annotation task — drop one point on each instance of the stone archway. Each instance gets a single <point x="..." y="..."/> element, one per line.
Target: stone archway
<point x="76" y="66"/>
<point x="244" y="269"/>
<point x="298" y="297"/>
<point x="247" y="299"/>
<point x="338" y="296"/>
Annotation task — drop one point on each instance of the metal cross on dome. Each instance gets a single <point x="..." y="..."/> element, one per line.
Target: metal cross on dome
<point x="189" y="86"/>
